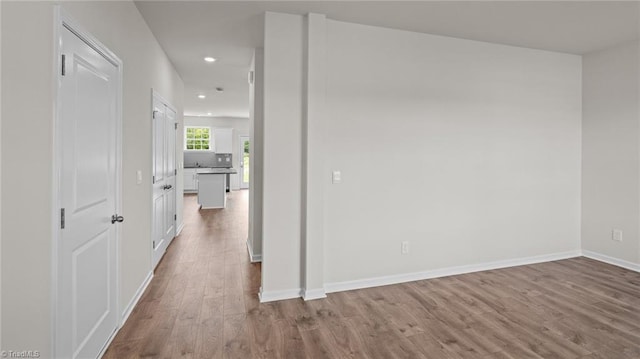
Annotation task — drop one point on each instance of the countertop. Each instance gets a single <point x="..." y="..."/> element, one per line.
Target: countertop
<point x="213" y="170"/>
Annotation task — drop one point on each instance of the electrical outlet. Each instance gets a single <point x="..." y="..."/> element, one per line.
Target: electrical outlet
<point x="138" y="177"/>
<point x="405" y="247"/>
<point x="616" y="235"/>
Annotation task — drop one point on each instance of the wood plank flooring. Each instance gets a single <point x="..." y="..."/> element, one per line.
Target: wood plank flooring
<point x="202" y="303"/>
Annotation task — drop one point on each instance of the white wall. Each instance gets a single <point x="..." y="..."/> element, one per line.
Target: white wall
<point x="240" y="128"/>
<point x="469" y="150"/>
<point x="611" y="151"/>
<point x="27" y="107"/>
<point x="313" y="156"/>
<point x="26" y="104"/>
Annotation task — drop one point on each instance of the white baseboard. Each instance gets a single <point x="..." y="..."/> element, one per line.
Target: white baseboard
<point x="108" y="343"/>
<point x="611" y="260"/>
<point x="253" y="257"/>
<point x="180" y="228"/>
<point x="311" y="294"/>
<point x="127" y="311"/>
<point x="444" y="272"/>
<point x="274" y="295"/>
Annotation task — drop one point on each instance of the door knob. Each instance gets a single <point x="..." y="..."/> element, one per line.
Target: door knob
<point x="168" y="187"/>
<point x="115" y="218"/>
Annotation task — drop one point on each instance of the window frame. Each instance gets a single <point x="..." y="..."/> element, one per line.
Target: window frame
<point x="210" y="139"/>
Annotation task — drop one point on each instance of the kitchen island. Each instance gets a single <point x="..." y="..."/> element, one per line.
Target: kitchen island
<point x="212" y="183"/>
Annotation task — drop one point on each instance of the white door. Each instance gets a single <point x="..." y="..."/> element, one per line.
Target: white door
<point x="86" y="310"/>
<point x="244" y="162"/>
<point x="163" y="178"/>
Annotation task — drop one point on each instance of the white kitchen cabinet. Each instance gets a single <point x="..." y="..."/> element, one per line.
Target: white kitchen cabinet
<point x="223" y="140"/>
<point x="211" y="190"/>
<point x="190" y="180"/>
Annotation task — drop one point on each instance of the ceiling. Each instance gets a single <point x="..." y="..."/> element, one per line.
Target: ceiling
<point x="230" y="30"/>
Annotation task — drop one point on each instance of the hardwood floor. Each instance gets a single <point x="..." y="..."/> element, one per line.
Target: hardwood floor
<point x="202" y="303"/>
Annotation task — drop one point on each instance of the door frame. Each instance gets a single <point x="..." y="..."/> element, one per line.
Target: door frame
<point x="156" y="95"/>
<point x="64" y="20"/>
<point x="241" y="155"/>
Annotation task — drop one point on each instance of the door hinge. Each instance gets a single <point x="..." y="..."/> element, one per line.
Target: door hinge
<point x="154" y="244"/>
<point x="176" y="125"/>
<point x="62" y="219"/>
<point x="153" y="115"/>
<point x="175" y="172"/>
<point x="175" y="217"/>
<point x="153" y="181"/>
<point x="64" y="70"/>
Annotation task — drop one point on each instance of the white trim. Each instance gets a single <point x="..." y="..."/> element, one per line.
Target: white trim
<point x="63" y="20"/>
<point x="136" y="298"/>
<point x="279" y="295"/>
<point x="444" y="272"/>
<point x="55" y="175"/>
<point x="312" y="294"/>
<point x="180" y="228"/>
<point x="156" y="94"/>
<point x="1" y="186"/>
<point x="254" y="258"/>
<point x="108" y="343"/>
<point x="611" y="260"/>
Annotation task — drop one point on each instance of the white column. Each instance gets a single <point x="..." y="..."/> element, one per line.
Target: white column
<point x="313" y="175"/>
<point x="284" y="42"/>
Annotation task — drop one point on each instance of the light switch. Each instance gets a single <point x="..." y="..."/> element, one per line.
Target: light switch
<point x="336" y="177"/>
<point x="138" y="177"/>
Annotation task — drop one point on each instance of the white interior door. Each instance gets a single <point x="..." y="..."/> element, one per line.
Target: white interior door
<point x="164" y="178"/>
<point x="243" y="173"/>
<point x="86" y="308"/>
<point x="170" y="192"/>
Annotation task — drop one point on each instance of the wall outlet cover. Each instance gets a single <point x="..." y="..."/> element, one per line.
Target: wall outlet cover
<point x="616" y="235"/>
<point x="405" y="247"/>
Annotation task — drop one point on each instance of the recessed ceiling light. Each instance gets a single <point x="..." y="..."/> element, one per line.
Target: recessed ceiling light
<point x="201" y="96"/>
<point x="209" y="59"/>
<point x="208" y="113"/>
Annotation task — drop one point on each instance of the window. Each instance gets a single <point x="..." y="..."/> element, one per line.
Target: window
<point x="197" y="138"/>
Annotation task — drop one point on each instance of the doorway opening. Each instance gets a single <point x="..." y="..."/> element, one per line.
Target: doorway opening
<point x="245" y="160"/>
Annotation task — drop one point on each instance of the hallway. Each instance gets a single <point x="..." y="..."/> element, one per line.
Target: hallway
<point x="196" y="301"/>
